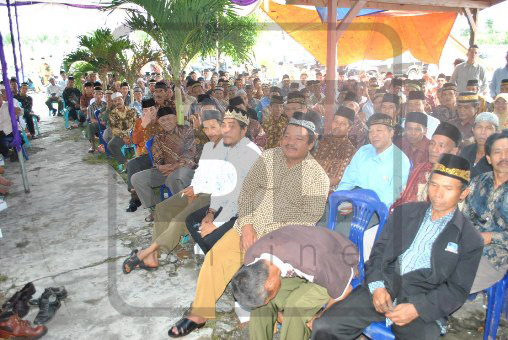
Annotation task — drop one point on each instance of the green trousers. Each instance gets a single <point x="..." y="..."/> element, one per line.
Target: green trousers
<point x="299" y="300"/>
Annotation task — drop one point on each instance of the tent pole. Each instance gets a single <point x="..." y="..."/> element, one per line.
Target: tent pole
<point x="331" y="65"/>
<point x="19" y="42"/>
<point x="13" y="42"/>
<point x="16" y="142"/>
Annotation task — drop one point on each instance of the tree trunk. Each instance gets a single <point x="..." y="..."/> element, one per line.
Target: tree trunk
<point x="178" y="100"/>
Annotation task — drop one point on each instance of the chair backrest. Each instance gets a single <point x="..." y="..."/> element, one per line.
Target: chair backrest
<point x="365" y="203"/>
<point x="148" y="145"/>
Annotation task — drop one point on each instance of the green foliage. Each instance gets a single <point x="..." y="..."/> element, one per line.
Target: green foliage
<point x="234" y="36"/>
<point x="101" y="50"/>
<point x="179" y="27"/>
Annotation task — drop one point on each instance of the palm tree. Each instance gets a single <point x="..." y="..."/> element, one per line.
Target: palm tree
<point x="142" y="54"/>
<point x="180" y="29"/>
<point x="101" y="51"/>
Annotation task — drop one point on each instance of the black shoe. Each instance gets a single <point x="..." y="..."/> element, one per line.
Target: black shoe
<point x="48" y="305"/>
<point x="18" y="303"/>
<point x="61" y="294"/>
<point x="134" y="204"/>
<point x="14" y="156"/>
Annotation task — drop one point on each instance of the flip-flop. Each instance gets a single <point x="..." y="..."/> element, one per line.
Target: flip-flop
<point x="185" y="327"/>
<point x="131" y="262"/>
<point x="142" y="265"/>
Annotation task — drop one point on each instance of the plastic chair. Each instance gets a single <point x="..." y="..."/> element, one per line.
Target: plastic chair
<point x="25" y="138"/>
<point x="163" y="189"/>
<point x="36" y="125"/>
<point x="101" y="132"/>
<point x="126" y="147"/>
<point x="497" y="299"/>
<point x="365" y="204"/>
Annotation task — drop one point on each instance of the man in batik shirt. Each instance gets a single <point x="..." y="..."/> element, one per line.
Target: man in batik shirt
<point x="276" y="123"/>
<point x="446" y="139"/>
<point x="336" y="150"/>
<point x="487" y="208"/>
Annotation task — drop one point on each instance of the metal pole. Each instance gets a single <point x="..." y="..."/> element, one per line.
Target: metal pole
<point x="19" y="42"/>
<point x="331" y="65"/>
<point x="13" y="42"/>
<point x="16" y="142"/>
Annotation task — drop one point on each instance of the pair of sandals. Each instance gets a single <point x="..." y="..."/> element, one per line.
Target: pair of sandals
<point x="133" y="262"/>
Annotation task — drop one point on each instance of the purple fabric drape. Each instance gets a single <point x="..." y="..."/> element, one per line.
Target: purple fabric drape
<point x="13" y="42"/>
<point x="15" y="132"/>
<point x="19" y="44"/>
<point x="27" y="3"/>
<point x="244" y="2"/>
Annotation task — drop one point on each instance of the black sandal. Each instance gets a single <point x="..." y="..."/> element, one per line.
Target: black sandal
<point x="131" y="262"/>
<point x="142" y="265"/>
<point x="184" y="327"/>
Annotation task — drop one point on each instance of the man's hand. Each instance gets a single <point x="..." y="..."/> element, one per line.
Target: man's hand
<point x="248" y="237"/>
<point x="345" y="208"/>
<point x="208" y="218"/>
<point x="146" y="119"/>
<point x="166" y="169"/>
<point x="487" y="238"/>
<point x="127" y="140"/>
<point x="188" y="192"/>
<point x="403" y="314"/>
<point x="207" y="228"/>
<point x="382" y="301"/>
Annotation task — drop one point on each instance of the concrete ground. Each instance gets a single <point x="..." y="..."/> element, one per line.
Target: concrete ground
<point x="72" y="230"/>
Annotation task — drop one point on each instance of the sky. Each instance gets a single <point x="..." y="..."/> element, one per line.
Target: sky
<point x="63" y="24"/>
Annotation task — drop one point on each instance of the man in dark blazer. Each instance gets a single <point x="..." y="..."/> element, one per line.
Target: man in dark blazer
<point x="421" y="268"/>
<point x="295" y="270"/>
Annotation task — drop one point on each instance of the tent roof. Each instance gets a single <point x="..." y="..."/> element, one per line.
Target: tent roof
<point x="408" y="5"/>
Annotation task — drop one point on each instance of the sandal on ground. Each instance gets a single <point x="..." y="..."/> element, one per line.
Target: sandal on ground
<point x="149" y="218"/>
<point x="131" y="262"/>
<point x="142" y="265"/>
<point x="91" y="150"/>
<point x="184" y="327"/>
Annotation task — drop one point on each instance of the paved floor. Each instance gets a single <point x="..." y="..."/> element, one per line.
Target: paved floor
<point x="72" y="230"/>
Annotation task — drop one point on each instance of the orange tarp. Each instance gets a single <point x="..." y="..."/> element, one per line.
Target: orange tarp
<point x="377" y="37"/>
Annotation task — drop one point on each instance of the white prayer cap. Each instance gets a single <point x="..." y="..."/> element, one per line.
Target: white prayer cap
<point x="116" y="95"/>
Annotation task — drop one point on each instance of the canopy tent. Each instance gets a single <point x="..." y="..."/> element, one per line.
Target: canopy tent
<point x="375" y="34"/>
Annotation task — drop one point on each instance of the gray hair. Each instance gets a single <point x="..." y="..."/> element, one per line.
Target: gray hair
<point x="249" y="285"/>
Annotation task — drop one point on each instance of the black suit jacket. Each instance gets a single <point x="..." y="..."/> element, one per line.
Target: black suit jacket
<point x="435" y="292"/>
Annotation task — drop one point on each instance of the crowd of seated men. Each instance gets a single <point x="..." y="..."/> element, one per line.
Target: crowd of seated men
<point x="252" y="168"/>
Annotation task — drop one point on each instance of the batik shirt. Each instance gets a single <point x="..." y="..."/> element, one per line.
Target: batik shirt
<point x="444" y="114"/>
<point x="26" y="103"/>
<point x="174" y="147"/>
<point x="359" y="132"/>
<point x="416" y="187"/>
<point x="274" y="195"/>
<point x="334" y="154"/>
<point x="487" y="209"/>
<point x="256" y="133"/>
<point x="274" y="129"/>
<point x="466" y="130"/>
<point x="141" y="135"/>
<point x="122" y="122"/>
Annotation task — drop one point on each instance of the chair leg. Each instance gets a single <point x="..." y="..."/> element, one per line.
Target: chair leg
<point x="491" y="296"/>
<point x="498" y="307"/>
<point x="36" y="124"/>
<point x="25" y="138"/>
<point x="66" y="118"/>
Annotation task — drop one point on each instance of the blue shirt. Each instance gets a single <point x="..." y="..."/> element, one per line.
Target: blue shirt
<point x="385" y="173"/>
<point x="495" y="85"/>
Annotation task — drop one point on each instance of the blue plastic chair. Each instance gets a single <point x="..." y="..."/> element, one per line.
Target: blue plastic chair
<point x="101" y="132"/>
<point x="365" y="204"/>
<point x="25" y="139"/>
<point x="497" y="298"/>
<point x="126" y="147"/>
<point x="163" y="189"/>
<point x="36" y="125"/>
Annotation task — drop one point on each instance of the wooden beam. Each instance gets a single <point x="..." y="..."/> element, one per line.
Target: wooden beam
<point x="405" y="5"/>
<point x="350" y="16"/>
<point x="472" y="19"/>
<point x="331" y="65"/>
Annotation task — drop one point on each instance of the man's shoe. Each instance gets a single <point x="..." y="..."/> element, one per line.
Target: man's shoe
<point x="18" y="303"/>
<point x="15" y="327"/>
<point x="134" y="204"/>
<point x="48" y="305"/>
<point x="91" y="150"/>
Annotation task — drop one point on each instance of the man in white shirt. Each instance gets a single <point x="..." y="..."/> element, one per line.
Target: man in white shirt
<point x="6" y="135"/>
<point x="54" y="93"/>
<point x="468" y="70"/>
<point x="499" y="74"/>
<point x="63" y="81"/>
